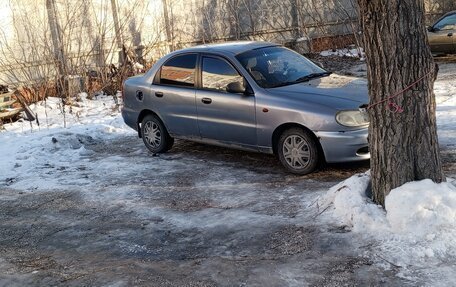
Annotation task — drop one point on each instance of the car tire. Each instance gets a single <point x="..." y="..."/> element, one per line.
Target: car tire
<point x="297" y="151"/>
<point x="154" y="135"/>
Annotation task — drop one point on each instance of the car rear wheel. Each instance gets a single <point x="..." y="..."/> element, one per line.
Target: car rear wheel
<point x="297" y="151"/>
<point x="154" y="135"/>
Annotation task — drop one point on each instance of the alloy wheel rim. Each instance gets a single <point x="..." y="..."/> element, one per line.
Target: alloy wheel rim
<point x="296" y="152"/>
<point x="152" y="134"/>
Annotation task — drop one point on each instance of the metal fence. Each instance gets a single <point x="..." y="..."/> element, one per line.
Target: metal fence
<point x="305" y="25"/>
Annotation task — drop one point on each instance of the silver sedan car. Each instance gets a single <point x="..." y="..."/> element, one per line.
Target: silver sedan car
<point x="254" y="96"/>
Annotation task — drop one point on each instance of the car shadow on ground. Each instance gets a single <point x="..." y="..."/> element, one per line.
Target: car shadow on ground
<point x="264" y="163"/>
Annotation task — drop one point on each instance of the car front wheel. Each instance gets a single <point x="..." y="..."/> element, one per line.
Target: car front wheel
<point x="155" y="135"/>
<point x="297" y="151"/>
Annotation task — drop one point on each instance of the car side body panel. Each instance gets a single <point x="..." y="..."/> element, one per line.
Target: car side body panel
<point x="132" y="105"/>
<point x="442" y="42"/>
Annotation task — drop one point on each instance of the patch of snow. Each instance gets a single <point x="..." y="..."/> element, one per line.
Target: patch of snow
<point x="138" y="66"/>
<point x="345" y="52"/>
<point x="416" y="233"/>
<point x="52" y="114"/>
<point x="351" y="206"/>
<point x="421" y="208"/>
<point x="51" y="156"/>
<point x="445" y="92"/>
<point x="302" y="39"/>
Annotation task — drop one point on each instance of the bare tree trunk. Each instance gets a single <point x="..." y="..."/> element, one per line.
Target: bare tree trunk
<point x="403" y="145"/>
<point x="115" y="17"/>
<point x="59" y="55"/>
<point x="169" y="37"/>
<point x="56" y="37"/>
<point x="295" y="18"/>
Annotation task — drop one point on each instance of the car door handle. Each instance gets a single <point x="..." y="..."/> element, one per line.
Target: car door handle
<point x="159" y="94"/>
<point x="206" y="101"/>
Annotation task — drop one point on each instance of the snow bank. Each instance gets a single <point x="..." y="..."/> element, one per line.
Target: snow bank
<point x="417" y="231"/>
<point x="52" y="114"/>
<point x="351" y="206"/>
<point x="422" y="208"/>
<point x="49" y="155"/>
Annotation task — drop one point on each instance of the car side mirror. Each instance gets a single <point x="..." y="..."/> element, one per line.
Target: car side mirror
<point x="236" y="88"/>
<point x="430" y="29"/>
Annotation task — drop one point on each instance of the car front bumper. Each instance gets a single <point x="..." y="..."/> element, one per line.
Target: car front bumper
<point x="344" y="146"/>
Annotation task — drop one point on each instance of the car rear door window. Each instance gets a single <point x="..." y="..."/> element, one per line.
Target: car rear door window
<point x="179" y="71"/>
<point x="217" y="74"/>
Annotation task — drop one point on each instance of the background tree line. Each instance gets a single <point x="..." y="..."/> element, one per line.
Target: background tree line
<point x="51" y="40"/>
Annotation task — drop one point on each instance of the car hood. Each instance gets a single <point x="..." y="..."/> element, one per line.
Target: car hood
<point x="335" y="91"/>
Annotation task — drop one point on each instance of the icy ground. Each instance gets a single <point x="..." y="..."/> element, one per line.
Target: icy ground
<point x="88" y="205"/>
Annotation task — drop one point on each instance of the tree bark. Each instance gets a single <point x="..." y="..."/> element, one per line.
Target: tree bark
<point x="403" y="145"/>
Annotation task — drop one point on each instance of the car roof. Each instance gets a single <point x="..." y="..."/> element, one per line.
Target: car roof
<point x="235" y="48"/>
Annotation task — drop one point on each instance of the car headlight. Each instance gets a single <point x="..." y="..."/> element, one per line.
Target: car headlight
<point x="353" y="118"/>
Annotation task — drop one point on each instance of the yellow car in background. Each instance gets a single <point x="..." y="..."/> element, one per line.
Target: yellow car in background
<point x="442" y="35"/>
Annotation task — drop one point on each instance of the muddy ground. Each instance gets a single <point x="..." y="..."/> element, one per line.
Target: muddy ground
<point x="196" y="216"/>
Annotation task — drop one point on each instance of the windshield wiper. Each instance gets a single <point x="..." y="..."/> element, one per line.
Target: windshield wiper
<point x="311" y="76"/>
<point x="303" y="79"/>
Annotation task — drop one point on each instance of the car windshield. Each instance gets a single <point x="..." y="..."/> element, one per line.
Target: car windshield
<point x="273" y="67"/>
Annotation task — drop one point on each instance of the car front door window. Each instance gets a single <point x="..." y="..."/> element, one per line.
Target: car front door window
<point x="217" y="74"/>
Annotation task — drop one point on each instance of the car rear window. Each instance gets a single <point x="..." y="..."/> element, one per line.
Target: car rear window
<point x="179" y="71"/>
